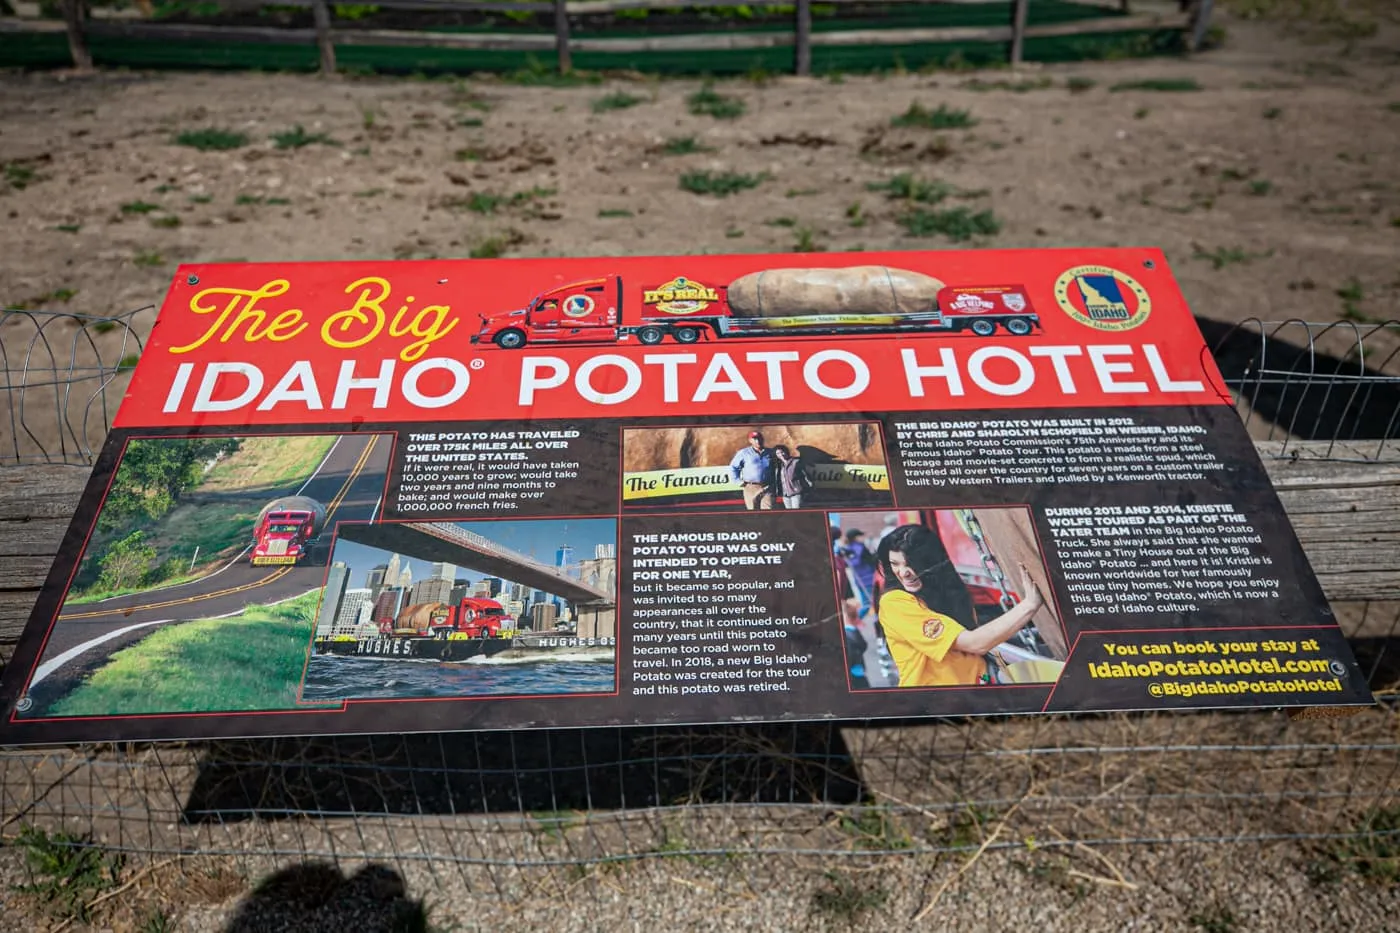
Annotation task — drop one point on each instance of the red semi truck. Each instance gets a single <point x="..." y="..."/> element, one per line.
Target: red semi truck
<point x="287" y="531"/>
<point x="473" y="617"/>
<point x="605" y="311"/>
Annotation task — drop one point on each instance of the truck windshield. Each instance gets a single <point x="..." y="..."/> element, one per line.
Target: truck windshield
<point x="284" y="528"/>
<point x="493" y="612"/>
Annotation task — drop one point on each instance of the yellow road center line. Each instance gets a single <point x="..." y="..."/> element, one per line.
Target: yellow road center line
<point x="188" y="599"/>
<point x="354" y="475"/>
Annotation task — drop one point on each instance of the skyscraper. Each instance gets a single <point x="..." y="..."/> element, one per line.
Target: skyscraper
<point x="387" y="603"/>
<point x="602" y="551"/>
<point x="543" y="616"/>
<point x="375" y="579"/>
<point x="405" y="575"/>
<point x="336" y="579"/>
<point x="563" y="558"/>
<point x="494" y="584"/>
<point x="391" y="572"/>
<point x="443" y="571"/>
<point x="351" y="611"/>
<point x="431" y="590"/>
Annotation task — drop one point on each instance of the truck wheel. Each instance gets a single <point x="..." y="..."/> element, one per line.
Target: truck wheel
<point x="1019" y="326"/>
<point x="510" y="339"/>
<point x="983" y="328"/>
<point x="686" y="335"/>
<point x="651" y="336"/>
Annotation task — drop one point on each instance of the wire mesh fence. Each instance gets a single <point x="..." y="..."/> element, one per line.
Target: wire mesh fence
<point x="1295" y="380"/>
<point x="502" y="813"/>
<point x="63" y="376"/>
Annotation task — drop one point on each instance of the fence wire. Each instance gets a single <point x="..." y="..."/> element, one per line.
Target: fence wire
<point x="1299" y="381"/>
<point x="63" y="378"/>
<point x="499" y="815"/>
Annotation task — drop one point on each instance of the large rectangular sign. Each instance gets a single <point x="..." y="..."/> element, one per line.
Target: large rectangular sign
<point x="409" y="496"/>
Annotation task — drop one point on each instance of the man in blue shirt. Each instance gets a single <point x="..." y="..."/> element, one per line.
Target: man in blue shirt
<point x="752" y="469"/>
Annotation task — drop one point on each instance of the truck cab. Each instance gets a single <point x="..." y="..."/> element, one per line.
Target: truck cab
<point x="582" y="312"/>
<point x="283" y="538"/>
<point x="480" y="618"/>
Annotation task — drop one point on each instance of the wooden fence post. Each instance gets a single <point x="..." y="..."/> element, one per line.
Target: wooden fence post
<point x="561" y="36"/>
<point x="803" y="40"/>
<point x="1018" y="31"/>
<point x="1200" y="24"/>
<point x="73" y="15"/>
<point x="321" y="13"/>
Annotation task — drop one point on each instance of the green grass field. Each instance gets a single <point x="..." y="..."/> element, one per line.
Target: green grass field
<point x="268" y="462"/>
<point x="214" y="527"/>
<point x="251" y="661"/>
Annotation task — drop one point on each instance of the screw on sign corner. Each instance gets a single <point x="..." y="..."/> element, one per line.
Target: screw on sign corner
<point x="192" y="280"/>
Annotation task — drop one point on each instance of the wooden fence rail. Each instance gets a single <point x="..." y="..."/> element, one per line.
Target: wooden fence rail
<point x="1192" y="20"/>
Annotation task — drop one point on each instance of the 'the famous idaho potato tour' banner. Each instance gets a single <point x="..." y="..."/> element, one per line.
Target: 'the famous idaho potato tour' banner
<point x="411" y="496"/>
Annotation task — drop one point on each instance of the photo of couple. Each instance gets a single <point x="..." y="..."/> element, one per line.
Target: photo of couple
<point x="944" y="598"/>
<point x="766" y="474"/>
<point x="755" y="467"/>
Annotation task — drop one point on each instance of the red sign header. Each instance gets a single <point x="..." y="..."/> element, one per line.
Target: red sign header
<point x="578" y="338"/>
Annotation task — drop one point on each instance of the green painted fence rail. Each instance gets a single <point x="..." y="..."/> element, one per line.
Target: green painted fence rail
<point x="547" y="36"/>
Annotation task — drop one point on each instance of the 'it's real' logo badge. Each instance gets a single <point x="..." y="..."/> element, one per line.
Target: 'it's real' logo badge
<point x="1102" y="298"/>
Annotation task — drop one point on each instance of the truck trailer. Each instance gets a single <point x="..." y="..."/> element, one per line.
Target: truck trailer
<point x="776" y="303"/>
<point x="472" y="617"/>
<point x="287" y="531"/>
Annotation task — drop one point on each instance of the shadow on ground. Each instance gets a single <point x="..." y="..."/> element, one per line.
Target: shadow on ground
<point x="317" y="898"/>
<point x="524" y="772"/>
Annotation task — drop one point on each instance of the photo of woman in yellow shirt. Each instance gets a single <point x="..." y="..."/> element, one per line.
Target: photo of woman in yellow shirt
<point x="925" y="610"/>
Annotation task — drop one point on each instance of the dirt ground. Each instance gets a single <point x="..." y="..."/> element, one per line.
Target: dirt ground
<point x="1274" y="190"/>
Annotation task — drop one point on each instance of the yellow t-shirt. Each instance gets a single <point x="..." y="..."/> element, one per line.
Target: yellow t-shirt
<point x="921" y="644"/>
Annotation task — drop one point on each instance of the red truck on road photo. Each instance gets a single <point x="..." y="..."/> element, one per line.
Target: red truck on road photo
<point x="773" y="303"/>
<point x="286" y="531"/>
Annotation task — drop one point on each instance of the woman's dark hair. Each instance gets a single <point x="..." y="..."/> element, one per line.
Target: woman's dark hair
<point x="943" y="589"/>
<point x="778" y="447"/>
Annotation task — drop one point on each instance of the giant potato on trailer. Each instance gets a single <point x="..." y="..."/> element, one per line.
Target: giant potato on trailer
<point x="851" y="290"/>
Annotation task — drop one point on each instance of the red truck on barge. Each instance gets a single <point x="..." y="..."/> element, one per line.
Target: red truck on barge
<point x="603" y="310"/>
<point x="472" y="617"/>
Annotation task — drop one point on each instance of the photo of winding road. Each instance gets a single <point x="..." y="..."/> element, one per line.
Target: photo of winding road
<point x="198" y="588"/>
